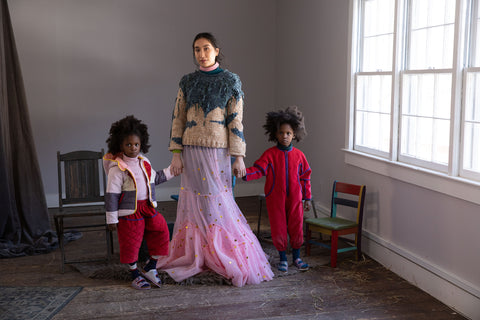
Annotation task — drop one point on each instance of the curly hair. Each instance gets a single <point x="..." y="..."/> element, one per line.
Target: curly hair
<point x="124" y="128"/>
<point x="291" y="116"/>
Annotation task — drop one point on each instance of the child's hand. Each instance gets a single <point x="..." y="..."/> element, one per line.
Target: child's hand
<point x="112" y="226"/>
<point x="307" y="205"/>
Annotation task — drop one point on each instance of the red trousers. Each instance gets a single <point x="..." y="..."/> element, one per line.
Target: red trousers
<point x="132" y="228"/>
<point x="286" y="219"/>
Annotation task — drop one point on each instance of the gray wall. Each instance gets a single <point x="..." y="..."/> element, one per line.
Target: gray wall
<point x="87" y="63"/>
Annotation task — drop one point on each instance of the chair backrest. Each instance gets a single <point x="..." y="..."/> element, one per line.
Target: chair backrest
<point x="79" y="177"/>
<point x="339" y="197"/>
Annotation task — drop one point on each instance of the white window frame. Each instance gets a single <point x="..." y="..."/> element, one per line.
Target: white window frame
<point x="451" y="180"/>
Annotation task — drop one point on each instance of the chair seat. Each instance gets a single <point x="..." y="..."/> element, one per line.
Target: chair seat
<point x="332" y="223"/>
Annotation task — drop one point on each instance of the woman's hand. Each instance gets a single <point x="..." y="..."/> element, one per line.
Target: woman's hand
<point x="112" y="226"/>
<point x="176" y="167"/>
<point x="238" y="167"/>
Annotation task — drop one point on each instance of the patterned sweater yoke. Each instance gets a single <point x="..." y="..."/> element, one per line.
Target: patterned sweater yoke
<point x="208" y="112"/>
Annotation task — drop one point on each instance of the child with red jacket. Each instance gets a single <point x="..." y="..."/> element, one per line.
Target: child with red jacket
<point x="287" y="185"/>
<point x="130" y="199"/>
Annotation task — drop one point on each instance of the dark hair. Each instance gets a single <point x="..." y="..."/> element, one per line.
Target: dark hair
<point x="291" y="116"/>
<point x="124" y="128"/>
<point x="213" y="41"/>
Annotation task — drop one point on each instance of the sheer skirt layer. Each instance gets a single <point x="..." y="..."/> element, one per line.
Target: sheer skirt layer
<point x="210" y="230"/>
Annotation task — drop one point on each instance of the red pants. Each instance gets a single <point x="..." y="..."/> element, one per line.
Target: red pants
<point x="286" y="219"/>
<point x="131" y="229"/>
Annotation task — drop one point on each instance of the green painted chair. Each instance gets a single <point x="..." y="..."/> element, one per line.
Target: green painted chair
<point x="343" y="194"/>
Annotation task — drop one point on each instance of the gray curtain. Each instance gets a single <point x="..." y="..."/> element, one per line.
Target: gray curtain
<point x="24" y="220"/>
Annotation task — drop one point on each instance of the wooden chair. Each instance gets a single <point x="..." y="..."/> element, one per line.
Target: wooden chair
<point x="334" y="226"/>
<point x="80" y="198"/>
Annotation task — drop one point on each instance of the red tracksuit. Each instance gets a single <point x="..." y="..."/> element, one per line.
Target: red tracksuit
<point x="287" y="183"/>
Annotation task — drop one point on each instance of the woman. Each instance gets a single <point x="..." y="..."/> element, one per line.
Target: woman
<point x="210" y="231"/>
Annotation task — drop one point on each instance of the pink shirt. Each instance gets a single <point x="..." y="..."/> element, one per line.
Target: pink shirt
<point x="134" y="166"/>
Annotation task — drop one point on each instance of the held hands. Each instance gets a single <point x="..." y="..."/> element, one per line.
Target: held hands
<point x="176" y="167"/>
<point x="238" y="167"/>
<point x="112" y="226"/>
<point x="307" y="205"/>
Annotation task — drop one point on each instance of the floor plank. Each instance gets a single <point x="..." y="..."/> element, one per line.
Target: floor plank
<point x="353" y="290"/>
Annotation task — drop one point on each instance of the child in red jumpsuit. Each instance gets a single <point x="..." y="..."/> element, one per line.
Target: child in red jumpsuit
<point x="287" y="185"/>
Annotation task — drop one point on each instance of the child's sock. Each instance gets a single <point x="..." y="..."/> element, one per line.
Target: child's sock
<point x="296" y="254"/>
<point x="133" y="270"/>
<point x="151" y="264"/>
<point x="283" y="255"/>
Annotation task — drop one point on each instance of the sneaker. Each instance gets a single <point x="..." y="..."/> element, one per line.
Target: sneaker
<point x="283" y="266"/>
<point x="152" y="275"/>
<point x="302" y="266"/>
<point x="140" y="283"/>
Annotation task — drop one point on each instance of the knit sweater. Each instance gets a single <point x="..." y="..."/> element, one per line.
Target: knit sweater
<point x="208" y="112"/>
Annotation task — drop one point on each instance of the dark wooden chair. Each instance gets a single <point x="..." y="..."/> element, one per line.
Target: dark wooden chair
<point x="343" y="194"/>
<point x="81" y="197"/>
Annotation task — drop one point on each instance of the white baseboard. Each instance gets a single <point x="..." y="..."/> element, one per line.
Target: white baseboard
<point x="458" y="294"/>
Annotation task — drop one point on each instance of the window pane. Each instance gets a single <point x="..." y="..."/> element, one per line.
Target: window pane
<point x="426" y="139"/>
<point x="373" y="108"/>
<point x="377" y="38"/>
<point x="471" y="135"/>
<point x="373" y="131"/>
<point x="377" y="53"/>
<point x="431" y="34"/>
<point x="425" y="118"/>
<point x="476" y="54"/>
<point x="471" y="155"/>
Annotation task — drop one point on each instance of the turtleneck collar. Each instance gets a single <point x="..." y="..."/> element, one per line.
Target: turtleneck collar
<point x="284" y="148"/>
<point x="211" y="70"/>
<point x="129" y="161"/>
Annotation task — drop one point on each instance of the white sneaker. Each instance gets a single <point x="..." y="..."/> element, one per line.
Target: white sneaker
<point x="152" y="275"/>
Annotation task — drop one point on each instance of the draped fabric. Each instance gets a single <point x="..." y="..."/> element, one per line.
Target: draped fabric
<point x="24" y="220"/>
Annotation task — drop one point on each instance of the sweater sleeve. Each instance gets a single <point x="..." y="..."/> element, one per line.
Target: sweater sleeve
<point x="112" y="196"/>
<point x="259" y="168"/>
<point x="163" y="175"/>
<point x="237" y="145"/>
<point x="179" y="118"/>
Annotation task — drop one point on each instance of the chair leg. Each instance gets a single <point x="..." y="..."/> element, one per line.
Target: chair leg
<point x="334" y="248"/>
<point x="358" y="237"/>
<point x="308" y="245"/>
<point x="109" y="244"/>
<point x="59" y="227"/>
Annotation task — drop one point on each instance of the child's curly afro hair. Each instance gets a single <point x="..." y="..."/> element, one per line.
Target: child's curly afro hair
<point x="124" y="128"/>
<point x="290" y="115"/>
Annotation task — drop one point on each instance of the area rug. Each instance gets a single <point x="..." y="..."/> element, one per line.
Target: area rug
<point x="39" y="303"/>
<point x="117" y="271"/>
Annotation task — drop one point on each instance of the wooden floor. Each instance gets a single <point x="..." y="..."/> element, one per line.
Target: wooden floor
<point x="354" y="290"/>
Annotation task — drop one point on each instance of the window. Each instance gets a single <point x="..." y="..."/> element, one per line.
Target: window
<point x="415" y="84"/>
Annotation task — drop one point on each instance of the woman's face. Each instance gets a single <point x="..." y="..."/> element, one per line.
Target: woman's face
<point x="205" y="53"/>
<point x="131" y="146"/>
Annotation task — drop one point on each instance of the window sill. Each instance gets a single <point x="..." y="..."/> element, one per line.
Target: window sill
<point x="453" y="186"/>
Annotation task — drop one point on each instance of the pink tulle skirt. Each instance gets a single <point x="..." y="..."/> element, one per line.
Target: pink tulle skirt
<point x="210" y="230"/>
